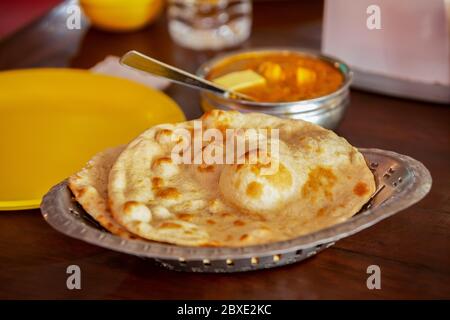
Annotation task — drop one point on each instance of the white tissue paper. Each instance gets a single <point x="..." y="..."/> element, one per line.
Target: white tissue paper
<point x="111" y="66"/>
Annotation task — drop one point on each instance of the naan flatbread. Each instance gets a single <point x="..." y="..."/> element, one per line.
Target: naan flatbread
<point x="90" y="188"/>
<point x="321" y="180"/>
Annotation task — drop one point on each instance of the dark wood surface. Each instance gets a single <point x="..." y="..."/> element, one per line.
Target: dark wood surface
<point x="412" y="248"/>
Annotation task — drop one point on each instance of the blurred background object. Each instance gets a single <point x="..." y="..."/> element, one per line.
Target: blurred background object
<point x="121" y="15"/>
<point x="15" y="14"/>
<point x="112" y="67"/>
<point x="408" y="56"/>
<point x="209" y="24"/>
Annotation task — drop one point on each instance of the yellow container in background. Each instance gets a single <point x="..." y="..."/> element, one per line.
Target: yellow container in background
<point x="121" y="15"/>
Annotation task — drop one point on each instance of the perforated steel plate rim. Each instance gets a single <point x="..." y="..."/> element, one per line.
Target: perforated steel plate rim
<point x="405" y="181"/>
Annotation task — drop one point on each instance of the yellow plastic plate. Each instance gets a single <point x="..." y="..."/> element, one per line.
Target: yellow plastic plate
<point x="54" y="120"/>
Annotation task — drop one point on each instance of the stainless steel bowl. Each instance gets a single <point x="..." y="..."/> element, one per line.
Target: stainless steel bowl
<point x="326" y="111"/>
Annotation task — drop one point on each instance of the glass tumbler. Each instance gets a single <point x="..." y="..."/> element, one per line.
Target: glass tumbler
<point x="209" y="24"/>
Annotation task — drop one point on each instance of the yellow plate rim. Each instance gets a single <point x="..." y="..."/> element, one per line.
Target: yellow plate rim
<point x="16" y="205"/>
<point x="20" y="205"/>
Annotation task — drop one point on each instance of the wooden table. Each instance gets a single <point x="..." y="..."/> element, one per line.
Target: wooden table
<point x="412" y="248"/>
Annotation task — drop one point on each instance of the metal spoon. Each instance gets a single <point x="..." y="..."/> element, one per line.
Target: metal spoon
<point x="142" y="62"/>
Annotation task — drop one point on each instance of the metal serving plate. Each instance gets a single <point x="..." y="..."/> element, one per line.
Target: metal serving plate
<point x="401" y="182"/>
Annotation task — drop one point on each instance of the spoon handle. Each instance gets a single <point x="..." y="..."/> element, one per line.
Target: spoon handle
<point x="142" y="62"/>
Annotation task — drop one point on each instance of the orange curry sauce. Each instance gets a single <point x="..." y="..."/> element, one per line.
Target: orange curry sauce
<point x="289" y="76"/>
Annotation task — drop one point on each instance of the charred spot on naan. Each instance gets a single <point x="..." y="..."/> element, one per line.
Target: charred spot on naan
<point x="164" y="167"/>
<point x="218" y="119"/>
<point x="282" y="178"/>
<point x="206" y="168"/>
<point x="321" y="180"/>
<point x="79" y="192"/>
<point x="321" y="212"/>
<point x="164" y="136"/>
<point x="185" y="216"/>
<point x="157" y="182"/>
<point x="168" y="193"/>
<point x="129" y="206"/>
<point x="137" y="211"/>
<point x="169" y="225"/>
<point x="255" y="235"/>
<point x="212" y="244"/>
<point x="243" y="237"/>
<point x="161" y="161"/>
<point x="361" y="189"/>
<point x="254" y="189"/>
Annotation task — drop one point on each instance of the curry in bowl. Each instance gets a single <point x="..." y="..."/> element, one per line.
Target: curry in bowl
<point x="277" y="76"/>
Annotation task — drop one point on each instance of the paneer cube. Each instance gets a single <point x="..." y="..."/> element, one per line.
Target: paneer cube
<point x="240" y="80"/>
<point x="305" y="76"/>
